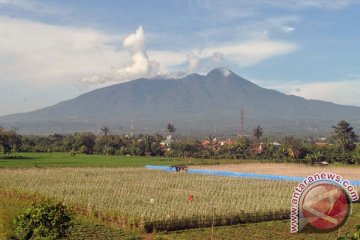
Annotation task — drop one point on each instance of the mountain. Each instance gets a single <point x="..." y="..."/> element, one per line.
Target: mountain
<point x="195" y="104"/>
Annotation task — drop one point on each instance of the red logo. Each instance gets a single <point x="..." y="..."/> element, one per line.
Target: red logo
<point x="325" y="206"/>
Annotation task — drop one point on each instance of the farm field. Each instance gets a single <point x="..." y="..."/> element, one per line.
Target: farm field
<point x="124" y="195"/>
<point x="122" y="199"/>
<point x="287" y="169"/>
<point x="264" y="230"/>
<point x="87" y="229"/>
<point x="46" y="160"/>
<point x="10" y="207"/>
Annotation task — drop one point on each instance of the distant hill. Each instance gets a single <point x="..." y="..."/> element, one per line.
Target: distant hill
<point x="195" y="104"/>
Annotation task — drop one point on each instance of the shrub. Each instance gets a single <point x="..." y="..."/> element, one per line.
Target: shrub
<point x="83" y="149"/>
<point x="315" y="158"/>
<point x="43" y="221"/>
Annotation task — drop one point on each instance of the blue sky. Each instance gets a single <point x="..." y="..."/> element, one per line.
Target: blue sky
<point x="51" y="51"/>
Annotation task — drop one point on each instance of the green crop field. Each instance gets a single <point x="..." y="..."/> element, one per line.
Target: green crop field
<point x="88" y="229"/>
<point x="125" y="194"/>
<point x="113" y="195"/>
<point x="46" y="160"/>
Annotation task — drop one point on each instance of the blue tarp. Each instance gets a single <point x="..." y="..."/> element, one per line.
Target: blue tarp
<point x="355" y="182"/>
<point x="246" y="175"/>
<point x="239" y="174"/>
<point x="163" y="168"/>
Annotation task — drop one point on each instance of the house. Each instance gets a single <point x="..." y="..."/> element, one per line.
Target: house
<point x="205" y="143"/>
<point x="166" y="143"/>
<point x="258" y="148"/>
<point x="227" y="142"/>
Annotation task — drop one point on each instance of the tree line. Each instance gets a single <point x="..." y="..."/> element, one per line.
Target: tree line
<point x="342" y="147"/>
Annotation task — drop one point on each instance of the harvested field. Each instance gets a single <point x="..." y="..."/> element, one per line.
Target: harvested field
<point x="285" y="169"/>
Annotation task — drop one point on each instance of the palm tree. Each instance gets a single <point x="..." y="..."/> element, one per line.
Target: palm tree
<point x="105" y="130"/>
<point x="258" y="132"/>
<point x="170" y="128"/>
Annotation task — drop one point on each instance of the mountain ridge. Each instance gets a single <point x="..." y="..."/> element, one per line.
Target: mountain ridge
<point x="194" y="103"/>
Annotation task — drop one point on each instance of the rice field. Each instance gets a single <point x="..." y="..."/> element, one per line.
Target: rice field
<point x="137" y="198"/>
<point x="286" y="169"/>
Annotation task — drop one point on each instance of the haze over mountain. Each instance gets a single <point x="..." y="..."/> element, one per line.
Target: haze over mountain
<point x="195" y="104"/>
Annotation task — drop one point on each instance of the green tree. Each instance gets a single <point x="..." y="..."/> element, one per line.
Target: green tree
<point x="43" y="221"/>
<point x="2" y="140"/>
<point x="345" y="136"/>
<point x="293" y="147"/>
<point x="241" y="148"/>
<point x="10" y="141"/>
<point x="86" y="139"/>
<point x="69" y="143"/>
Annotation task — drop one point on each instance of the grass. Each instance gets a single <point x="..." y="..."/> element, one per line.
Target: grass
<point x="49" y="160"/>
<point x="9" y="208"/>
<point x="124" y="195"/>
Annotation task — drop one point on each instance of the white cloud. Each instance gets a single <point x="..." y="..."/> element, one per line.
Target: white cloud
<point x="341" y="92"/>
<point x="287" y="29"/>
<point x="298" y="5"/>
<point x="98" y="79"/>
<point x="193" y="62"/>
<point x="45" y="54"/>
<point x="253" y="52"/>
<point x="243" y="54"/>
<point x="217" y="57"/>
<point x="205" y="64"/>
<point x="333" y="4"/>
<point x="168" y="59"/>
<point x="31" y="6"/>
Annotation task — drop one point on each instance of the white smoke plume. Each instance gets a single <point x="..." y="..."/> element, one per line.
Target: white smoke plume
<point x="139" y="64"/>
<point x="200" y="63"/>
<point x="218" y="57"/>
<point x="193" y="62"/>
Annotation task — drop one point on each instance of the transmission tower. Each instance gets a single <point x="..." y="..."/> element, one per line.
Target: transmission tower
<point x="242" y="131"/>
